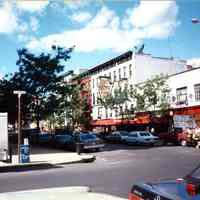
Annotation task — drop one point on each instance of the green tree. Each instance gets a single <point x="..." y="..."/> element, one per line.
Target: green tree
<point x="39" y="76"/>
<point x="114" y="99"/>
<point x="151" y="95"/>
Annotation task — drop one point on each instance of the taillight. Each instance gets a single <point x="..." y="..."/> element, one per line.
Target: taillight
<point x="133" y="197"/>
<point x="191" y="189"/>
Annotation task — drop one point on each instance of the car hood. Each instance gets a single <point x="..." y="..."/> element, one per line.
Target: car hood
<point x="167" y="190"/>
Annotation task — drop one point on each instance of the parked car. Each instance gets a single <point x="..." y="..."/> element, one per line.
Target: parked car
<point x="45" y="138"/>
<point x="31" y="134"/>
<point x="88" y="141"/>
<point x="117" y="136"/>
<point x="187" y="188"/>
<point x="141" y="137"/>
<point x="180" y="136"/>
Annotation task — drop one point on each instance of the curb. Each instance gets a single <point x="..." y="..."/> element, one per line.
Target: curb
<point x="40" y="165"/>
<point x="25" y="167"/>
<point x="83" y="160"/>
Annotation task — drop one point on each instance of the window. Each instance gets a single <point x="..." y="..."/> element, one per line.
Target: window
<point x="115" y="77"/>
<point x="197" y="92"/>
<point x="94" y="99"/>
<point x="116" y="112"/>
<point x="119" y="71"/>
<point x="99" y="113"/>
<point x="130" y="70"/>
<point x="110" y="75"/>
<point x="181" y="95"/>
<point x="124" y="68"/>
<point x="93" y="83"/>
<point x="121" y="110"/>
<point x="132" y="109"/>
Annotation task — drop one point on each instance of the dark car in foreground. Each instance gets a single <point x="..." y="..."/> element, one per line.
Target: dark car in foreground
<point x="187" y="188"/>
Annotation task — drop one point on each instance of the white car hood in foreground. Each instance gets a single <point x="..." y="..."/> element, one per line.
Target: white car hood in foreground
<point x="64" y="193"/>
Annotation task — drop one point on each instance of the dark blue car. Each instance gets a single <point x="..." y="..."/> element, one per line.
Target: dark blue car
<point x="187" y="188"/>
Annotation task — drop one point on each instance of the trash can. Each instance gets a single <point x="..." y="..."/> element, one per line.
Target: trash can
<point x="24" y="153"/>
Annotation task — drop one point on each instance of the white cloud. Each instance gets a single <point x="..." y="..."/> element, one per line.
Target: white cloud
<point x="77" y="4"/>
<point x="23" y="27"/>
<point x="81" y="17"/>
<point x="107" y="31"/>
<point x="195" y="62"/>
<point x="153" y="12"/>
<point x="8" y="19"/>
<point x="34" y="23"/>
<point x="32" y="5"/>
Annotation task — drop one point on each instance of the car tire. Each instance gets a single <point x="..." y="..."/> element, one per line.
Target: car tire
<point x="183" y="143"/>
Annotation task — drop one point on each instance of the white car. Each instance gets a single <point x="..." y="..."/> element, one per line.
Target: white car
<point x="141" y="137"/>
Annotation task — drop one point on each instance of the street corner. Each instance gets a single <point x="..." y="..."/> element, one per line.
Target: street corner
<point x="73" y="193"/>
<point x="88" y="158"/>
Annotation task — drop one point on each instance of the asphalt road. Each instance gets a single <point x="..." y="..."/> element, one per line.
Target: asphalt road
<point x="114" y="171"/>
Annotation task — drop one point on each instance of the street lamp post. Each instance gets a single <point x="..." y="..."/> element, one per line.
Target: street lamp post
<point x="19" y="93"/>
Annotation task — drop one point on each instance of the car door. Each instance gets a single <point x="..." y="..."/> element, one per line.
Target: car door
<point x="132" y="137"/>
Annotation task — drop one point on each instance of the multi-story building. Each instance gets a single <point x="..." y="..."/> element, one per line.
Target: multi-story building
<point x="129" y="69"/>
<point x="126" y="70"/>
<point x="185" y="92"/>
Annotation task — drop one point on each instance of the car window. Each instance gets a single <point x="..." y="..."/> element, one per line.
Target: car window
<point x="144" y="134"/>
<point x="133" y="135"/>
<point x="87" y="136"/>
<point x="124" y="133"/>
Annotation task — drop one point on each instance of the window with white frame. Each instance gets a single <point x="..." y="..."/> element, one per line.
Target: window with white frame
<point x="115" y="77"/>
<point x="119" y="72"/>
<point x="93" y="83"/>
<point x="124" y="68"/>
<point x="94" y="99"/>
<point x="197" y="92"/>
<point x="130" y="70"/>
<point x="181" y="95"/>
<point x="116" y="112"/>
<point x="99" y="113"/>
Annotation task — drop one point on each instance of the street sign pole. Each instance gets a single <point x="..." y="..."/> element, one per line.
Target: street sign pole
<point x="19" y="93"/>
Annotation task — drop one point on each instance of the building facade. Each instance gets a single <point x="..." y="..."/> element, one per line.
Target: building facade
<point x="185" y="93"/>
<point x="123" y="71"/>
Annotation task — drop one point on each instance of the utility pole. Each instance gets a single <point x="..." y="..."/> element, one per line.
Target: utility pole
<point x="19" y="93"/>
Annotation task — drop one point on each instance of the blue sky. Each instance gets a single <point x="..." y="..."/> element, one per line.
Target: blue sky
<point x="99" y="29"/>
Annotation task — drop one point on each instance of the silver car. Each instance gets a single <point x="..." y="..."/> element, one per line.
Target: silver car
<point x="141" y="137"/>
<point x="117" y="136"/>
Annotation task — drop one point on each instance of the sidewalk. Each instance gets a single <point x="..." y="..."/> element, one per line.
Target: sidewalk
<point x="46" y="160"/>
<point x="72" y="193"/>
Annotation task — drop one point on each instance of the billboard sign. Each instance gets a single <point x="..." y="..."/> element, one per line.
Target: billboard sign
<point x="184" y="121"/>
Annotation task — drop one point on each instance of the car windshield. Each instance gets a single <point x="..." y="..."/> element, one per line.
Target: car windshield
<point x="196" y="173"/>
<point x="87" y="136"/>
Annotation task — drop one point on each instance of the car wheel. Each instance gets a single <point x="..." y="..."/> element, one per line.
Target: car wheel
<point x="183" y="143"/>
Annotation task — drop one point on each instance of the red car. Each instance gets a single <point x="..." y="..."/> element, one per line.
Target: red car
<point x="178" y="136"/>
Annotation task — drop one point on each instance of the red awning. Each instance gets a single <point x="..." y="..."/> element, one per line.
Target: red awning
<point x="114" y="122"/>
